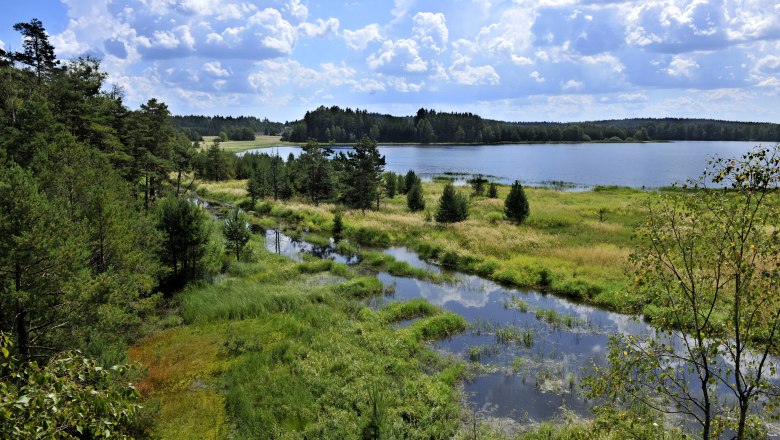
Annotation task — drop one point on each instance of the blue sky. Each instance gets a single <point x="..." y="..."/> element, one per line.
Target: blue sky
<point x="554" y="60"/>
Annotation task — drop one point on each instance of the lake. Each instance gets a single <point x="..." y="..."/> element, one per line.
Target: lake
<point x="635" y="165"/>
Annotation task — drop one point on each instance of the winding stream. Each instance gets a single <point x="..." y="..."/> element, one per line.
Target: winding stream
<point x="532" y="348"/>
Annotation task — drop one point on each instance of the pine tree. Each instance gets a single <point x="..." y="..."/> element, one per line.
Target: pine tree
<point x="236" y="232"/>
<point x="414" y="198"/>
<point x="493" y="190"/>
<point x="315" y="172"/>
<point x="516" y="204"/>
<point x="362" y="174"/>
<point x="453" y="206"/>
<point x="255" y="187"/>
<point x="390" y="184"/>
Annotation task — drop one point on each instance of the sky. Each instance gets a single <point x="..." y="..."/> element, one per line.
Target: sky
<point x="544" y="60"/>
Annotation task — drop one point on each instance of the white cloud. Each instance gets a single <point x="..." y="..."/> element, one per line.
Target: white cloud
<point x="682" y="66"/>
<point x="397" y="57"/>
<point x="214" y="68"/>
<point x="572" y="85"/>
<point x="359" y="39"/>
<point x="368" y="86"/>
<point x="298" y="10"/>
<point x="466" y="74"/>
<point x="321" y="29"/>
<point x="2" y="45"/>
<point x="632" y="97"/>
<point x="403" y="86"/>
<point x="536" y="76"/>
<point x="274" y="31"/>
<point x="510" y="37"/>
<point x="431" y="30"/>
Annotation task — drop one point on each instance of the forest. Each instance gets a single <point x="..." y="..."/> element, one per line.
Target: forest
<point x="241" y="128"/>
<point x="429" y="126"/>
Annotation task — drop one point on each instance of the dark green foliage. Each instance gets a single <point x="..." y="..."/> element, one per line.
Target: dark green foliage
<point x="338" y="225"/>
<point x="236" y="232"/>
<point x="216" y="164"/>
<point x="185" y="235"/>
<point x="516" y="204"/>
<point x="453" y="206"/>
<point x="478" y="184"/>
<point x="361" y="174"/>
<point x="315" y="172"/>
<point x="235" y="128"/>
<point x="256" y="186"/>
<point x="347" y="125"/>
<point x="389" y="184"/>
<point x="414" y="198"/>
<point x="409" y="180"/>
<point x="493" y="190"/>
<point x="37" y="52"/>
<point x="42" y="260"/>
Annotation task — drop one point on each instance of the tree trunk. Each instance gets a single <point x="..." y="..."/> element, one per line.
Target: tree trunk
<point x="20" y="320"/>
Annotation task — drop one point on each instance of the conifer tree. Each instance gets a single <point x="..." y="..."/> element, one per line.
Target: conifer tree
<point x="516" y="204"/>
<point x="414" y="198"/>
<point x="493" y="190"/>
<point x="453" y="206"/>
<point x="236" y="232"/>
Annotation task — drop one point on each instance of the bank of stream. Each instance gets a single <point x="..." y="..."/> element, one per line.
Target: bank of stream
<point x="528" y="350"/>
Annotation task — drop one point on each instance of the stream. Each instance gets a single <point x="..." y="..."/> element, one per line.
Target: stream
<point x="533" y="348"/>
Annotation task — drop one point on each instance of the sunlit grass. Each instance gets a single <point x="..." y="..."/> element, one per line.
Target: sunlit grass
<point x="575" y="243"/>
<point x="238" y="146"/>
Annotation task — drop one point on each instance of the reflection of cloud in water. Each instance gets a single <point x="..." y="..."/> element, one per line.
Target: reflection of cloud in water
<point x="443" y="294"/>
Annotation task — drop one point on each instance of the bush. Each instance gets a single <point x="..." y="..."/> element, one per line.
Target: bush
<point x="414" y="197"/>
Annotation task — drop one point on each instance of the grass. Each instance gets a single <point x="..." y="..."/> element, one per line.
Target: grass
<point x="238" y="146"/>
<point x="574" y="243"/>
<point x="278" y="349"/>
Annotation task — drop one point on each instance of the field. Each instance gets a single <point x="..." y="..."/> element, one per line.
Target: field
<point x="574" y="243"/>
<point x="238" y="146"/>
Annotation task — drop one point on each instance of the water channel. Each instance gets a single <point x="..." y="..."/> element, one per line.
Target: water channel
<point x="533" y="348"/>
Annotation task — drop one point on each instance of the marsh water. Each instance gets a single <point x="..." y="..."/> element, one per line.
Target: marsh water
<point x="637" y="165"/>
<point x="530" y="350"/>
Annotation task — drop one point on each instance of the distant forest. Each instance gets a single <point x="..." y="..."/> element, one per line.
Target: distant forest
<point x="427" y="126"/>
<point x="242" y="128"/>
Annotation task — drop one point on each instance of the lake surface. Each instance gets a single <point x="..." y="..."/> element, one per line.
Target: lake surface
<point x="636" y="165"/>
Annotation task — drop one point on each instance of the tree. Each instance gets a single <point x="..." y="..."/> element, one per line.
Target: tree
<point x="478" y="184"/>
<point x="453" y="206"/>
<point x="216" y="166"/>
<point x="255" y="187"/>
<point x="236" y="231"/>
<point x="362" y="174"/>
<point x="42" y="261"/>
<point x="409" y="180"/>
<point x="37" y="52"/>
<point x="414" y="198"/>
<point x="516" y="204"/>
<point x="185" y="236"/>
<point x="316" y="180"/>
<point x="709" y="260"/>
<point x="389" y="184"/>
<point x="493" y="190"/>
<point x="152" y="136"/>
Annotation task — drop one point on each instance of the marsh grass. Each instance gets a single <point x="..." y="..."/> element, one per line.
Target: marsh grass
<point x="568" y="245"/>
<point x="311" y="359"/>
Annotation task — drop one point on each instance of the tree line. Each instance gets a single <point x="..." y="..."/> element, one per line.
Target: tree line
<point x="241" y="128"/>
<point x="326" y="124"/>
<point x="96" y="234"/>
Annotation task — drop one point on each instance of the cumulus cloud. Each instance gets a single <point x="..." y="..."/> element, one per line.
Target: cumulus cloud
<point x="682" y="66"/>
<point x="319" y="29"/>
<point x="465" y="74"/>
<point x="359" y="39"/>
<point x="430" y="29"/>
<point x="510" y="37"/>
<point x="398" y="57"/>
<point x="298" y="10"/>
<point x="214" y="68"/>
<point x="536" y="76"/>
